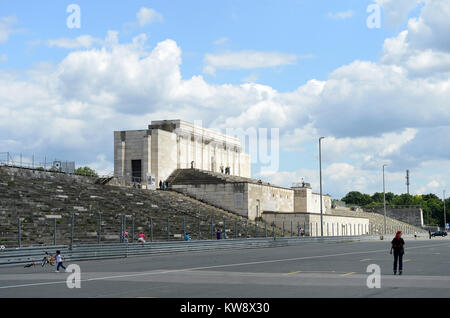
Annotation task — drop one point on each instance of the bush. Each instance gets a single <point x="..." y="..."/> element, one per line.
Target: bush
<point x="86" y="171"/>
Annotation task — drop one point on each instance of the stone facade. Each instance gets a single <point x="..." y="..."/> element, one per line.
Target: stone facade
<point x="263" y="197"/>
<point x="333" y="225"/>
<point x="307" y="201"/>
<point x="410" y="215"/>
<point x="175" y="144"/>
<point x="246" y="199"/>
<point x="245" y="196"/>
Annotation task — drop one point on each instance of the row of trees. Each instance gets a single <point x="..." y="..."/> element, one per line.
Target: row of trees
<point x="431" y="204"/>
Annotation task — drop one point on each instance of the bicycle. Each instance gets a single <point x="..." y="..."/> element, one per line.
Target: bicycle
<point x="48" y="260"/>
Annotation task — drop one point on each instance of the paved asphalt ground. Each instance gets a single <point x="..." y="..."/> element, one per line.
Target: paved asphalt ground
<point x="307" y="270"/>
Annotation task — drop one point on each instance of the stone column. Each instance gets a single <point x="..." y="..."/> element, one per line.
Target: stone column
<point x="178" y="152"/>
<point x="122" y="158"/>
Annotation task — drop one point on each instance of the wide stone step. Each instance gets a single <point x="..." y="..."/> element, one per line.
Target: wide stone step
<point x="34" y="201"/>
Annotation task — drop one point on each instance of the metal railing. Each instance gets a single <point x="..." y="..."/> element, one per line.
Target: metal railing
<point x="391" y="206"/>
<point x="90" y="226"/>
<point x="35" y="162"/>
<point x="20" y="256"/>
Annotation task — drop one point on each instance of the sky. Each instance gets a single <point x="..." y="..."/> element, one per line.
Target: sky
<point x="376" y="86"/>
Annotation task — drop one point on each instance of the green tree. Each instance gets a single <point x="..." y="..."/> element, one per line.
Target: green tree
<point x="378" y="197"/>
<point x="86" y="171"/>
<point x="389" y="197"/>
<point x="403" y="199"/>
<point x="432" y="206"/>
<point x="357" y="198"/>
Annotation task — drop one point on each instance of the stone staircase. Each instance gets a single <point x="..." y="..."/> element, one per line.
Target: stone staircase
<point x="197" y="176"/>
<point x="103" y="180"/>
<point x="377" y="221"/>
<point x="38" y="197"/>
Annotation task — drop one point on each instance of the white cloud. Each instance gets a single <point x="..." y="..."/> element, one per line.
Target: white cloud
<point x="396" y="11"/>
<point x="432" y="28"/>
<point x="3" y="58"/>
<point x="221" y="41"/>
<point x="246" y="60"/>
<point x="368" y="151"/>
<point x="343" y="15"/>
<point x="6" y="27"/>
<point x="338" y="179"/>
<point x="433" y="184"/>
<point x="102" y="166"/>
<point x="424" y="48"/>
<point x="250" y="78"/>
<point x="147" y="15"/>
<point x="394" y="111"/>
<point x="81" y="42"/>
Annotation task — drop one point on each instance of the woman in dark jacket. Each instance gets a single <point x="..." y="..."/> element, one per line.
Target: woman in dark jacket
<point x="398" y="245"/>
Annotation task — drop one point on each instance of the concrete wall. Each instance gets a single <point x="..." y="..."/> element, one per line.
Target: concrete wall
<point x="245" y="199"/>
<point x="267" y="198"/>
<point x="413" y="216"/>
<point x="163" y="151"/>
<point x="163" y="154"/>
<point x="307" y="201"/>
<point x="228" y="196"/>
<point x="245" y="165"/>
<point x="128" y="146"/>
<point x="310" y="222"/>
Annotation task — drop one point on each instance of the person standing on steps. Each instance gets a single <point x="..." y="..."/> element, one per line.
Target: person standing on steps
<point x="429" y="233"/>
<point x="398" y="245"/>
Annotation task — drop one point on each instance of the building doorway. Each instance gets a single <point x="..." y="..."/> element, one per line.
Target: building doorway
<point x="136" y="170"/>
<point x="258" y="208"/>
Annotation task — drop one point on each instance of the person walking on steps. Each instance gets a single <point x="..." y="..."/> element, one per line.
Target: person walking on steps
<point x="398" y="245"/>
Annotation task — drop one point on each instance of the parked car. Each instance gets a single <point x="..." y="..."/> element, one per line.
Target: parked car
<point x="439" y="233"/>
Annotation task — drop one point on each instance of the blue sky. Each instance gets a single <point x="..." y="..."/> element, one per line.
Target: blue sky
<point x="308" y="68"/>
<point x="296" y="27"/>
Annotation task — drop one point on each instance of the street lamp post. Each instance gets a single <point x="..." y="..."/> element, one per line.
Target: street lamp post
<point x="384" y="202"/>
<point x="445" y="217"/>
<point x="320" y="171"/>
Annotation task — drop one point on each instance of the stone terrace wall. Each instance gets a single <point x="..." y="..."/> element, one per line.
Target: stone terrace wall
<point x="243" y="196"/>
<point x="410" y="215"/>
<point x="377" y="221"/>
<point x="38" y="197"/>
<point x="333" y="225"/>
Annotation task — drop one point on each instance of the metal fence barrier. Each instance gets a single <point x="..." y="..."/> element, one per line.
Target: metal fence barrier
<point x="91" y="227"/>
<point x="27" y="255"/>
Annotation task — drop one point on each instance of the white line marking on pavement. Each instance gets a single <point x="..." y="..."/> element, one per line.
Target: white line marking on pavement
<point x="214" y="266"/>
<point x="348" y="274"/>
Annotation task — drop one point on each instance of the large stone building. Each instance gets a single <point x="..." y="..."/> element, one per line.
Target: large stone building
<point x="245" y="196"/>
<point x="140" y="155"/>
<point x="190" y="158"/>
<point x="260" y="200"/>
